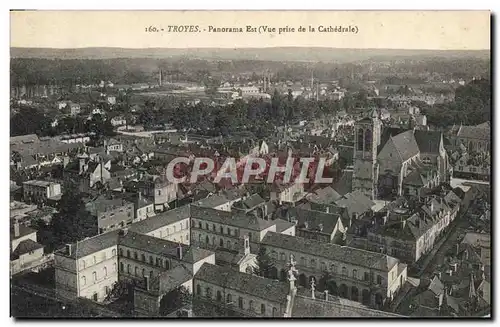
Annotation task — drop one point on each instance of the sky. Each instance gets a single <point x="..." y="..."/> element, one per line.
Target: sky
<point x="432" y="30"/>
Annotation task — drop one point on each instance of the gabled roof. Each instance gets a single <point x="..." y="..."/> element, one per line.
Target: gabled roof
<point x="316" y="220"/>
<point x="24" y="247"/>
<point x="405" y="144"/>
<point x="474" y="132"/>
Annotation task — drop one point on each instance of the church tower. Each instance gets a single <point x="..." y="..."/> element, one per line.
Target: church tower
<point x="367" y="134"/>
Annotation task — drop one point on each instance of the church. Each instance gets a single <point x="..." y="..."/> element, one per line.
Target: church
<point x="390" y="162"/>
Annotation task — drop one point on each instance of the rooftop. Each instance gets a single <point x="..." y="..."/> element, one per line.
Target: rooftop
<point x="264" y="288"/>
<point x="160" y="220"/>
<point x="331" y="251"/>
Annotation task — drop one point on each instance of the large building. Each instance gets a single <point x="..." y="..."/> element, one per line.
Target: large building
<point x="36" y="191"/>
<point x="90" y="268"/>
<point x="370" y="278"/>
<point x="386" y="160"/>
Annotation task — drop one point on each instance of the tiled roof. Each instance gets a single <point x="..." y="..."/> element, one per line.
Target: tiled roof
<point x="160" y="246"/>
<point x="355" y="202"/>
<point x="263" y="288"/>
<point x="428" y="141"/>
<point x="474" y="132"/>
<point x="24" y="247"/>
<point x="23" y="139"/>
<point x="160" y="220"/>
<point x="23" y="231"/>
<point x="307" y="307"/>
<point x="316" y="220"/>
<point x="213" y="201"/>
<point x="103" y="204"/>
<point x="325" y="195"/>
<point x="344" y="184"/>
<point x="405" y="144"/>
<point x="92" y="245"/>
<point x="168" y="280"/>
<point x="331" y="251"/>
<point x="230" y="218"/>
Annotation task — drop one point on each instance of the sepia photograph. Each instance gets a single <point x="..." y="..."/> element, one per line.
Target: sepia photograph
<point x="250" y="164"/>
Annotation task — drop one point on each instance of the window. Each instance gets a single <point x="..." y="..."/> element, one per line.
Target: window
<point x="199" y="224"/>
<point x="367" y="276"/>
<point x="113" y="252"/>
<point x="219" y="296"/>
<point x="137" y="271"/>
<point x="206" y="226"/>
<point x="94" y="297"/>
<point x="128" y="253"/>
<point x="128" y="269"/>
<point x="302" y="261"/>
<point x="263" y="308"/>
<point x="122" y="267"/>
<point x="168" y="231"/>
<point x="198" y="289"/>
<point x="143" y="272"/>
<point x="94" y="260"/>
<point x="229" y="299"/>
<point x="187" y="237"/>
<point x="313" y="263"/>
<point x="143" y="258"/>
<point x="221" y="230"/>
<point x="250" y="305"/>
<point x="84" y="280"/>
<point x="344" y="271"/>
<point x="105" y="271"/>
<point x="94" y="276"/>
<point x="121" y="252"/>
<point x="208" y="292"/>
<point x="354" y="274"/>
<point x="159" y="262"/>
<point x="106" y="290"/>
<point x="175" y="229"/>
<point x="150" y="260"/>
<point x="323" y="266"/>
<point x="207" y="240"/>
<point x="282" y="256"/>
<point x="167" y="264"/>
<point x="240" y="302"/>
<point x="135" y="255"/>
<point x="379" y="279"/>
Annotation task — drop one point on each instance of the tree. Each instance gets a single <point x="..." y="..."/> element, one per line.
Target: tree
<point x="174" y="300"/>
<point x="72" y="222"/>
<point x="264" y="263"/>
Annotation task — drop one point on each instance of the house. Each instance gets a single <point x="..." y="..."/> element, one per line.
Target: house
<point x="118" y="121"/>
<point x="113" y="145"/>
<point x="37" y="191"/>
<point x="111" y="213"/>
<point x="156" y="187"/>
<point x="25" y="251"/>
<point x="111" y="99"/>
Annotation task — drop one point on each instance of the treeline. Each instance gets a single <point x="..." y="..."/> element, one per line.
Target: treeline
<point x="472" y="106"/>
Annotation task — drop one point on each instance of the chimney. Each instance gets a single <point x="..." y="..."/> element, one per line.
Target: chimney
<point x="139" y="194"/>
<point x="326" y="295"/>
<point x="69" y="249"/>
<point x="179" y="251"/>
<point x="439" y="275"/>
<point x="82" y="165"/>
<point x="246" y="244"/>
<point x="320" y="227"/>
<point x="441" y="298"/>
<point x="327" y="209"/>
<point x="146" y="282"/>
<point x="16" y="229"/>
<point x="123" y="231"/>
<point x="458" y="248"/>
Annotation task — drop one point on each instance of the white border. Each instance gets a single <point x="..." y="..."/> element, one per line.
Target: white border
<point x="209" y="5"/>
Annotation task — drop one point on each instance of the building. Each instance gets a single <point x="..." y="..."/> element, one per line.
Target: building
<point x="37" y="191"/>
<point x="406" y="230"/>
<point x="474" y="138"/>
<point x="384" y="158"/>
<point x="172" y="225"/>
<point x="118" y="121"/>
<point x="111" y="213"/>
<point x="25" y="251"/>
<point x="158" y="188"/>
<point x="237" y="294"/>
<point x="288" y="193"/>
<point x="370" y="278"/>
<point x="223" y="201"/>
<point x="91" y="267"/>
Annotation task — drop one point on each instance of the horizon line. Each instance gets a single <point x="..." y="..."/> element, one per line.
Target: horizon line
<point x="248" y="47"/>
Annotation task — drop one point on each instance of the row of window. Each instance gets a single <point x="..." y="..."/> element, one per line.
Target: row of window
<point x="94" y="259"/>
<point x="95" y="276"/>
<point x="211" y="227"/>
<point x="333" y="268"/>
<point x="158" y="262"/>
<point x="221" y="242"/>
<point x="138" y="272"/>
<point x="229" y="300"/>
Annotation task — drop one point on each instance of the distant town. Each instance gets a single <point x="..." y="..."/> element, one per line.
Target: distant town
<point x="98" y="230"/>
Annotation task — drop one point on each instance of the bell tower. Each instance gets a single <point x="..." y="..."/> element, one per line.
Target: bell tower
<point x="366" y="141"/>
